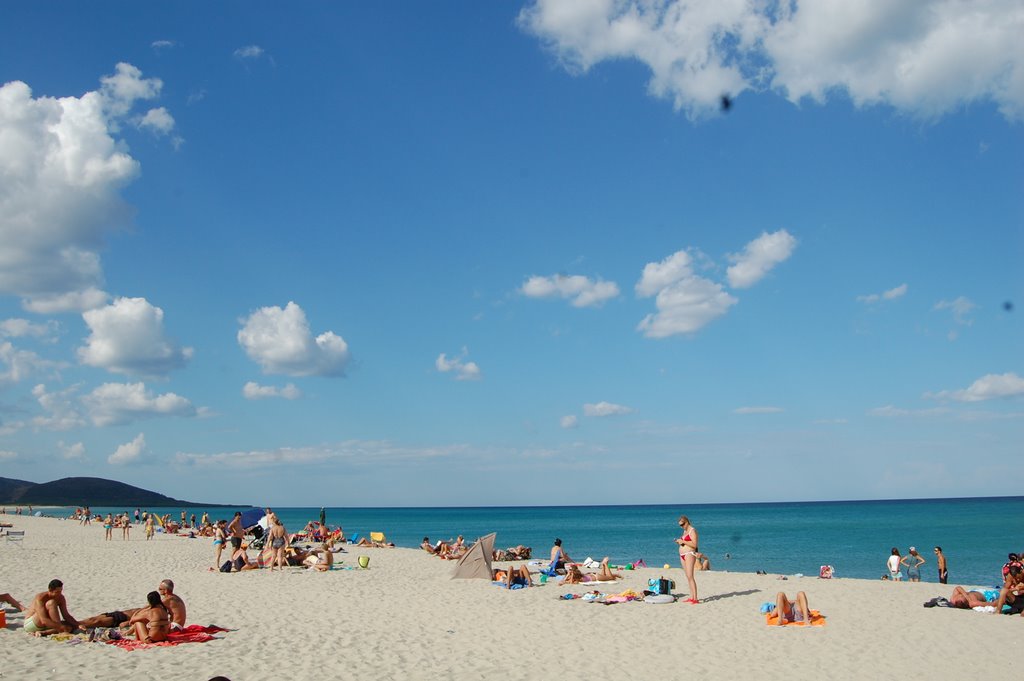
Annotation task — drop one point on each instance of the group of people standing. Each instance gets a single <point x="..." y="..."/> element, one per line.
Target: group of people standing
<point x="910" y="564"/>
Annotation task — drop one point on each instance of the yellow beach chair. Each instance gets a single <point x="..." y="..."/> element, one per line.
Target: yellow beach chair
<point x="378" y="539"/>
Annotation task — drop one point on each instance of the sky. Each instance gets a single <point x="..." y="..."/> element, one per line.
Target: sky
<point x="535" y="253"/>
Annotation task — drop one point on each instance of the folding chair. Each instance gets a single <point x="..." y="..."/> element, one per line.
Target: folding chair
<point x="16" y="536"/>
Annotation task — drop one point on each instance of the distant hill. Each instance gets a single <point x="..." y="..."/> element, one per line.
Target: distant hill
<point x="83" y="492"/>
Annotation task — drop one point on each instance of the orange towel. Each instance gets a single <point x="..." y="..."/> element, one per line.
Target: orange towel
<point x="817" y="620"/>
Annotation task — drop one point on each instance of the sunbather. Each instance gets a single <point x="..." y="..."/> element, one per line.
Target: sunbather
<point x="962" y="598"/>
<point x="8" y="598"/>
<point x="792" y="611"/>
<point x="425" y="545"/>
<point x="151" y="623"/>
<point x="321" y="559"/>
<point x="573" y="575"/>
<point x="513" y="576"/>
<point x="1012" y="593"/>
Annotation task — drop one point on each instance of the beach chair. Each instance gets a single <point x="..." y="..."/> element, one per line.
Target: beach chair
<point x="15" y="536"/>
<point x="378" y="539"/>
<point x="354" y="539"/>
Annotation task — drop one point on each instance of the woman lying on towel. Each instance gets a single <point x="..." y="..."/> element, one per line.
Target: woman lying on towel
<point x="513" y="576"/>
<point x="790" y="611"/>
<point x="604" y="574"/>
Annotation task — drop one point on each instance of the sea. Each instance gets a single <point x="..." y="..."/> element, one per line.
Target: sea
<point x="855" y="537"/>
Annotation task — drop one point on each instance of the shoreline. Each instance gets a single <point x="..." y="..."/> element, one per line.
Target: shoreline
<point x="405" y="617"/>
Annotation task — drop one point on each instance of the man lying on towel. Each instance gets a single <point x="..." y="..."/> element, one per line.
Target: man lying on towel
<point x="121" y="618"/>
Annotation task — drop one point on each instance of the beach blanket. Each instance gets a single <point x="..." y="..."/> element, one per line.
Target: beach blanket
<point x="817" y="620"/>
<point x="193" y="633"/>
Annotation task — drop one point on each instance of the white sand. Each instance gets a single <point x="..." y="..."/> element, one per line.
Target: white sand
<point x="405" y="619"/>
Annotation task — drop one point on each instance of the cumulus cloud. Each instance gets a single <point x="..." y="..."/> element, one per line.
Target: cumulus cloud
<point x="961" y="308"/>
<point x="463" y="370"/>
<point x="891" y="294"/>
<point x="583" y="291"/>
<point x="127" y="337"/>
<point x="63" y="167"/>
<point x="118" y="403"/>
<point x="128" y="452"/>
<point x="254" y="391"/>
<point x="279" y="340"/>
<point x="249" y="52"/>
<point x="757" y="410"/>
<point x="988" y="387"/>
<point x="759" y="257"/>
<point x="17" y="328"/>
<point x="569" y="422"/>
<point x="660" y="275"/>
<point x="600" y="409"/>
<point x="158" y="45"/>
<point x="60" y="409"/>
<point x="72" y="452"/>
<point x="926" y="58"/>
<point x="159" y="121"/>
<point x="17" y="365"/>
<point x="685" y="307"/>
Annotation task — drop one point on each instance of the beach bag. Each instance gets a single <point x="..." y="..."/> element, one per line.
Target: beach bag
<point x="661" y="585"/>
<point x="226" y="567"/>
<point x="826" y="572"/>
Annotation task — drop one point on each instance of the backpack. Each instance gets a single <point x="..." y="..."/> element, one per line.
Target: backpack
<point x="661" y="585"/>
<point x="226" y="567"/>
<point x="826" y="572"/>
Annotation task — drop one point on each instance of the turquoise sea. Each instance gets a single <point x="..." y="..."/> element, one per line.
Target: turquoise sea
<point x="853" y="536"/>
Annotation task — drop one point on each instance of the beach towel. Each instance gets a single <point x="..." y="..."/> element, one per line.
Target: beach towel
<point x="817" y="620"/>
<point x="193" y="633"/>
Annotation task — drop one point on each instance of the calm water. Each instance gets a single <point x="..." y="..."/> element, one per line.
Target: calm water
<point x="854" y="536"/>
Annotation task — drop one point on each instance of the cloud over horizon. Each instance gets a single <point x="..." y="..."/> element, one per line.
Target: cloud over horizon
<point x="582" y="291"/>
<point x="127" y="337"/>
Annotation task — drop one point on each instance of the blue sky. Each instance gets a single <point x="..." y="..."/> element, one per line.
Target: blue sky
<point x="496" y="253"/>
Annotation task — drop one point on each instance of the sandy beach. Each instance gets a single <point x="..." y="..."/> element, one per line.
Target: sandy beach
<point x="404" y="618"/>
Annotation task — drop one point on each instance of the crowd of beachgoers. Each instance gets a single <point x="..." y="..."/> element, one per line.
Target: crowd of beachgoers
<point x="314" y="548"/>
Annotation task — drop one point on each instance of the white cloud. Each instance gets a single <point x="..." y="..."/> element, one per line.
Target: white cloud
<point x="6" y="455"/>
<point x="249" y="52"/>
<point x="158" y="45"/>
<point x="128" y="338"/>
<point x="569" y="422"/>
<point x="255" y="391"/>
<point x="61" y="411"/>
<point x="759" y="257"/>
<point x="114" y="404"/>
<point x="17" y="365"/>
<point x="685" y="307"/>
<point x="601" y="409"/>
<point x="464" y="371"/>
<point x="891" y="294"/>
<point x="129" y="452"/>
<point x="961" y="308"/>
<point x="890" y="411"/>
<point x="159" y="121"/>
<point x="758" y="410"/>
<point x="279" y="340"/>
<point x="660" y="275"/>
<point x="926" y="58"/>
<point x="988" y="387"/>
<point x="583" y="291"/>
<point x="63" y="168"/>
<point x="17" y="328"/>
<point x="73" y="452"/>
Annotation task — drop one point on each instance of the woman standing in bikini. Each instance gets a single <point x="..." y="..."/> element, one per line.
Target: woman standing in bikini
<point x="688" y="555"/>
<point x="219" y="537"/>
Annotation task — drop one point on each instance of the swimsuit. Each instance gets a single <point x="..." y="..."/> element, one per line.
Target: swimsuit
<point x="686" y="550"/>
<point x="117" y="616"/>
<point x="31" y="627"/>
<point x="277" y="543"/>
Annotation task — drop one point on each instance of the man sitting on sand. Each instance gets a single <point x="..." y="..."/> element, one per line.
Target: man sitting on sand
<point x="1012" y="593"/>
<point x="48" y="613"/>
<point x="173" y="603"/>
<point x="573" y="575"/>
<point x="512" y="576"/>
<point x="428" y="547"/>
<point x="790" y="611"/>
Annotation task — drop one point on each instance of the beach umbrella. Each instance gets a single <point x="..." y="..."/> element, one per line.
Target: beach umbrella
<point x="476" y="562"/>
<point x="251" y="517"/>
<point x="323" y="516"/>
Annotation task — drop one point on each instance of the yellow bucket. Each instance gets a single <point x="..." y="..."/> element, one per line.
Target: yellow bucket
<point x="364" y="562"/>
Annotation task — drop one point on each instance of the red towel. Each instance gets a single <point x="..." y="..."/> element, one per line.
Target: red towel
<point x="193" y="633"/>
